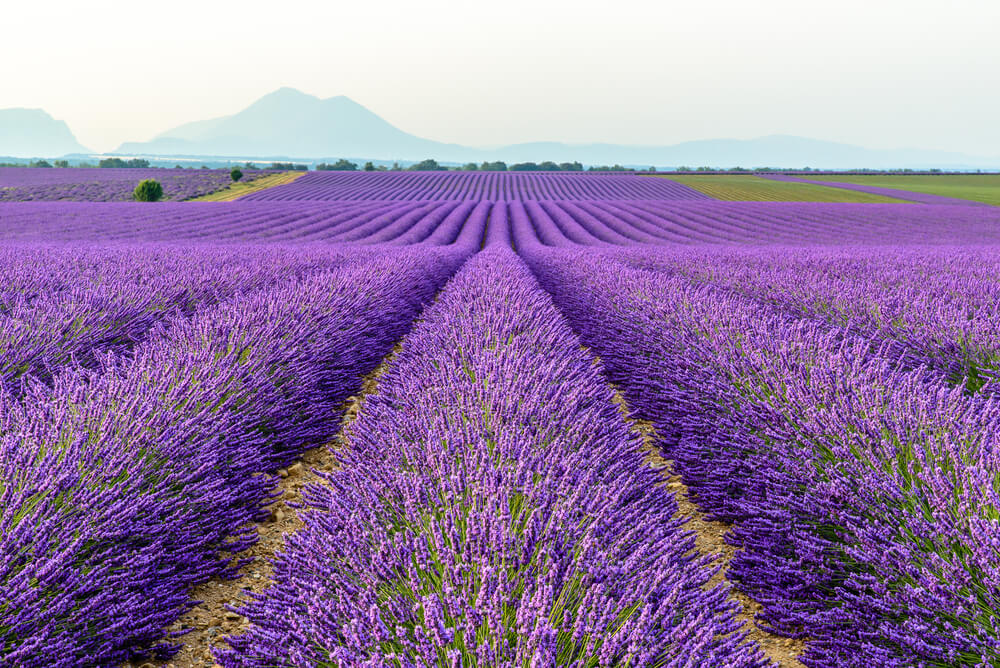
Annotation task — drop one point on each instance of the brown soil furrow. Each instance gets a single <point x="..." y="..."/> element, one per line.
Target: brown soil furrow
<point x="710" y="539"/>
<point x="210" y="622"/>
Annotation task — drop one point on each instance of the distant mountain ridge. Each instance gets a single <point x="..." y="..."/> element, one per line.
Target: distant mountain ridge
<point x="288" y="122"/>
<point x="32" y="133"/>
<point x="291" y="125"/>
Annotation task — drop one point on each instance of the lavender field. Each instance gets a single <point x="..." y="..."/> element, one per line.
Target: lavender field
<point x="19" y="184"/>
<point x="497" y="419"/>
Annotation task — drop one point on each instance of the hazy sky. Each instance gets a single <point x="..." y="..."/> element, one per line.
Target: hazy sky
<point x="880" y="73"/>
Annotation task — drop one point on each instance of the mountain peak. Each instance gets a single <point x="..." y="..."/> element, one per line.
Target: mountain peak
<point x="289" y="123"/>
<point x="288" y="93"/>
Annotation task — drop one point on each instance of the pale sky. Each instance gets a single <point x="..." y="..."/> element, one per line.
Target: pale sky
<point x="878" y="73"/>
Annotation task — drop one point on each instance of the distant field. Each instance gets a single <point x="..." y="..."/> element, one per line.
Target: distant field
<point x="82" y="184"/>
<point x="241" y="188"/>
<point x="747" y="188"/>
<point x="976" y="187"/>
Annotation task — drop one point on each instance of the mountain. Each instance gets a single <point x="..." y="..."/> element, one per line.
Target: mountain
<point x="290" y="124"/>
<point x="32" y="133"/>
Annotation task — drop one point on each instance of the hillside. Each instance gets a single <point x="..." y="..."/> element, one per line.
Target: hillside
<point x="32" y="133"/>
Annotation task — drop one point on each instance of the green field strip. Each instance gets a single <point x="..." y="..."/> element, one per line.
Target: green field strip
<point x="239" y="189"/>
<point x="749" y="188"/>
<point x="983" y="188"/>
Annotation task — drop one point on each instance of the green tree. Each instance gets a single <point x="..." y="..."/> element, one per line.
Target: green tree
<point x="118" y="163"/>
<point x="428" y="165"/>
<point x="235" y="174"/>
<point x="341" y="165"/>
<point x="369" y="166"/>
<point x="62" y="164"/>
<point x="148" y="190"/>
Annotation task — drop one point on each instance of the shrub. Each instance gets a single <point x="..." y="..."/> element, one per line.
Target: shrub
<point x="236" y="174"/>
<point x="341" y="165"/>
<point x="118" y="163"/>
<point x="148" y="190"/>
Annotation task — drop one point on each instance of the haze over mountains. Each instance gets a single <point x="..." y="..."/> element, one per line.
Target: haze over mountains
<point x="30" y="133"/>
<point x="289" y="124"/>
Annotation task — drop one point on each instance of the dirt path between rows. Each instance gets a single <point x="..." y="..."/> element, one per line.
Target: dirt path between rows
<point x="209" y="621"/>
<point x="710" y="538"/>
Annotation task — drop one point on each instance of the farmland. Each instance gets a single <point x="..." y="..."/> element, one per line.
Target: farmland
<point x="109" y="185"/>
<point x="983" y="188"/>
<point x="750" y="188"/>
<point x="462" y="415"/>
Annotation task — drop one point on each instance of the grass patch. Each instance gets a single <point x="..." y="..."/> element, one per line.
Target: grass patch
<point x="976" y="187"/>
<point x="749" y="188"/>
<point x="239" y="189"/>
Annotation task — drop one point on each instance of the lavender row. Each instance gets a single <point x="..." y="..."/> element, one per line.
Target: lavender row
<point x="587" y="222"/>
<point x="864" y="496"/>
<point x="770" y="223"/>
<point x="20" y="184"/>
<point x="492" y="508"/>
<point x="940" y="304"/>
<point x="122" y="486"/>
<point x="346" y="186"/>
<point x="211" y="221"/>
<point x="106" y="300"/>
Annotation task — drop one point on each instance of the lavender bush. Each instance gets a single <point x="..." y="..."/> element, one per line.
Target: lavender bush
<point x="492" y="508"/>
<point x="121" y="486"/>
<point x="76" y="303"/>
<point x="863" y="493"/>
<point x="385" y="186"/>
<point x="614" y="223"/>
<point x="938" y="305"/>
<point x="839" y="406"/>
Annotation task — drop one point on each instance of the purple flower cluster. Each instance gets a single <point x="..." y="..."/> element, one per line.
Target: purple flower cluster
<point x="391" y="186"/>
<point x="625" y="223"/>
<point x="938" y="305"/>
<point x="492" y="508"/>
<point x="76" y="303"/>
<point x="863" y="491"/>
<point x="82" y="184"/>
<point x="120" y="486"/>
<point x="838" y="406"/>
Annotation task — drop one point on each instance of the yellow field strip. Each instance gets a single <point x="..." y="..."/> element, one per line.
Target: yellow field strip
<point x="237" y="190"/>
